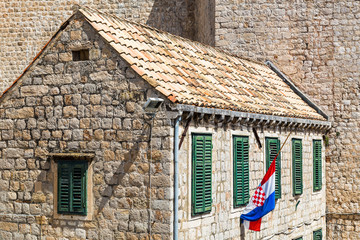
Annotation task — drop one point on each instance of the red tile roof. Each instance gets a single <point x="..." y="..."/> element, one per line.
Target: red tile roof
<point x="192" y="73"/>
<point x="189" y="72"/>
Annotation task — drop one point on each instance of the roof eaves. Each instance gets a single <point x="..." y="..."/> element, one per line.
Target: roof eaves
<point x="252" y="117"/>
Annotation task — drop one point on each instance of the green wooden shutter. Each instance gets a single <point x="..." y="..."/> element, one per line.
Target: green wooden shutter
<point x="201" y="173"/>
<point x="79" y="188"/>
<point x="64" y="186"/>
<point x="272" y="148"/>
<point x="72" y="187"/>
<point x="299" y="238"/>
<point x="317" y="167"/>
<point x="317" y="235"/>
<point x="207" y="174"/>
<point x="297" y="166"/>
<point x="241" y="170"/>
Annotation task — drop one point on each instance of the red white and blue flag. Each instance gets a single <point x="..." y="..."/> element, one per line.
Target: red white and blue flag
<point x="262" y="202"/>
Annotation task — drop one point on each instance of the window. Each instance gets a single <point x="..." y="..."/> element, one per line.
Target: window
<point x="317" y="235"/>
<point x="272" y="148"/>
<point x="72" y="187"/>
<point x="201" y="199"/>
<point x="80" y="55"/>
<point x="317" y="176"/>
<point x="297" y="166"/>
<point x="241" y="170"/>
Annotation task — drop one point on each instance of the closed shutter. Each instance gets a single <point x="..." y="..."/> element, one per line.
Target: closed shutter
<point x="79" y="188"/>
<point x="297" y="166"/>
<point x="72" y="187"/>
<point x="202" y="173"/>
<point x="64" y="186"/>
<point x="317" y="167"/>
<point x="241" y="170"/>
<point x="272" y="148"/>
<point x="317" y="235"/>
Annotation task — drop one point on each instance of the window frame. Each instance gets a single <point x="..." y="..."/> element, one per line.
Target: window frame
<point x="206" y="206"/>
<point x="317" y="165"/>
<point x="268" y="160"/>
<point x="245" y="195"/>
<point x="54" y="158"/>
<point x="297" y="190"/>
<point x="315" y="234"/>
<point x="72" y="165"/>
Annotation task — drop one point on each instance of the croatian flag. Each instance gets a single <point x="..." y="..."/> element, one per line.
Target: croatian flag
<point x="262" y="202"/>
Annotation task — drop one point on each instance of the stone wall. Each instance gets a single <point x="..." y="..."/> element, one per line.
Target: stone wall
<point x="316" y="43"/>
<point x="223" y="222"/>
<point x="92" y="106"/>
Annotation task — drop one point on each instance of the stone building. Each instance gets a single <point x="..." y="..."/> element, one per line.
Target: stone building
<point x="314" y="42"/>
<point x="87" y="146"/>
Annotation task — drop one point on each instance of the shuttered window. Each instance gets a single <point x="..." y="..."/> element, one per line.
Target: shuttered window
<point x="297" y="166"/>
<point x="201" y="173"/>
<point x="317" y="235"/>
<point x="72" y="187"/>
<point x="272" y="148"/>
<point x="241" y="170"/>
<point x="317" y="167"/>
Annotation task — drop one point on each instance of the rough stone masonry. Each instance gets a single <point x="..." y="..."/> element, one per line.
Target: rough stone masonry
<point x="316" y="43"/>
<point x="87" y="107"/>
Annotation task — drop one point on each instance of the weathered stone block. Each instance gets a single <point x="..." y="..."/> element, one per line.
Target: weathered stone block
<point x="57" y="79"/>
<point x="8" y="226"/>
<point x="65" y="57"/>
<point x="38" y="197"/>
<point x="69" y="111"/>
<point x="160" y="181"/>
<point x="25" y="112"/>
<point x="13" y="152"/>
<point x="34" y="90"/>
<point x="6" y="124"/>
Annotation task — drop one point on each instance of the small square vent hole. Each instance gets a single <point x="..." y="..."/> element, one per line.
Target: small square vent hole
<point x="80" y="55"/>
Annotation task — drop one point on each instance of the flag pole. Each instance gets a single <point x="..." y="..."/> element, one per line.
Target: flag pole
<point x="282" y="145"/>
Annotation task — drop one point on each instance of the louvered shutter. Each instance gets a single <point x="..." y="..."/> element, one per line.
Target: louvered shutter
<point x="272" y="148"/>
<point x="72" y="187"/>
<point x="79" y="188"/>
<point x="317" y="235"/>
<point x="202" y="173"/>
<point x="241" y="170"/>
<point x="207" y="174"/>
<point x="317" y="167"/>
<point x="297" y="166"/>
<point x="64" y="187"/>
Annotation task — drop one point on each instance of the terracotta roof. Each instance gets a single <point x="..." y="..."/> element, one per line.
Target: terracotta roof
<point x="188" y="72"/>
<point x="191" y="73"/>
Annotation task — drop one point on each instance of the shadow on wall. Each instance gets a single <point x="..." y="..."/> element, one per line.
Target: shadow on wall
<point x="193" y="19"/>
<point x="173" y="16"/>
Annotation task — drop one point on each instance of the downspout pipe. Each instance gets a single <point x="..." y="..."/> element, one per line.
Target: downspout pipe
<point x="176" y="178"/>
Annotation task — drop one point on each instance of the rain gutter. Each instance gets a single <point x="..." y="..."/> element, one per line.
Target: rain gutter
<point x="176" y="178"/>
